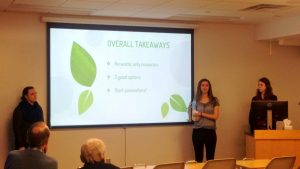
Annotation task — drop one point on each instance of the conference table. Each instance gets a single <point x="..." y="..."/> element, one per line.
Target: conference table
<point x="258" y="163"/>
<point x="241" y="164"/>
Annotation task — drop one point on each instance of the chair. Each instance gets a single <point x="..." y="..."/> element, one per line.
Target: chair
<point x="226" y="163"/>
<point x="177" y="165"/>
<point x="190" y="162"/>
<point x="126" y="167"/>
<point x="246" y="158"/>
<point x="284" y="162"/>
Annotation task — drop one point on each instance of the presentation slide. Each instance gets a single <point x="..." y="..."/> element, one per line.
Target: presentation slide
<point x="105" y="77"/>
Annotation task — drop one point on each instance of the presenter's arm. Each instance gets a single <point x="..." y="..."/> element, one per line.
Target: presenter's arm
<point x="213" y="116"/>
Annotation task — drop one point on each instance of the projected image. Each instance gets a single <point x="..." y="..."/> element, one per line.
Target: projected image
<point x="104" y="76"/>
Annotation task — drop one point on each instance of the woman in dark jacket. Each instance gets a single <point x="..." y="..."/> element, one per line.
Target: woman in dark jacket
<point x="264" y="91"/>
<point x="25" y="114"/>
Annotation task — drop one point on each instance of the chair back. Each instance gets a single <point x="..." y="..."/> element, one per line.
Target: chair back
<point x="226" y="163"/>
<point x="127" y="167"/>
<point x="284" y="162"/>
<point x="177" y="165"/>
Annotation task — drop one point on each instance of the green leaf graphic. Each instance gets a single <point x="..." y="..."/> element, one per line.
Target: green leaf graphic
<point x="83" y="67"/>
<point x="177" y="103"/>
<point x="85" y="101"/>
<point x="164" y="109"/>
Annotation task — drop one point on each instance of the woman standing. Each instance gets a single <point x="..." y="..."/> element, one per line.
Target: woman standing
<point x="264" y="91"/>
<point x="25" y="114"/>
<point x="205" y="112"/>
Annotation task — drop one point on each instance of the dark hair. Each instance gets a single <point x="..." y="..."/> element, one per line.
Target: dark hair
<point x="38" y="135"/>
<point x="269" y="90"/>
<point x="199" y="92"/>
<point x="25" y="92"/>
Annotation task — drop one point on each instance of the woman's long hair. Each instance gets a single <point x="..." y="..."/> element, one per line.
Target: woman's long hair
<point x="269" y="91"/>
<point x="199" y="92"/>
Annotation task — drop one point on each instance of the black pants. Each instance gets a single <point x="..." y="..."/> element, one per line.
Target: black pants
<point x="207" y="138"/>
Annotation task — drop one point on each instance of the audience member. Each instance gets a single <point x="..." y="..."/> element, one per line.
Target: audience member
<point x="35" y="156"/>
<point x="93" y="155"/>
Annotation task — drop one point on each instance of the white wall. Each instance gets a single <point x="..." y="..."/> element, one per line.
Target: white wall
<point x="226" y="54"/>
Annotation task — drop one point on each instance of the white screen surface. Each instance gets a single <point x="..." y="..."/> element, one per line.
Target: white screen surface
<point x="118" y="77"/>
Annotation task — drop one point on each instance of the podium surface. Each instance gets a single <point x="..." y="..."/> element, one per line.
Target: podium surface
<point x="266" y="144"/>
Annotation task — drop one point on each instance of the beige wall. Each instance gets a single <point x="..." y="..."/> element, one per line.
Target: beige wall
<point x="23" y="62"/>
<point x="230" y="57"/>
<point x="226" y="54"/>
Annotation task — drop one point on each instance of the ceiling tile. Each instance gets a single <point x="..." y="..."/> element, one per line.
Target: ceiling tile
<point x="159" y="9"/>
<point x="125" y="6"/>
<point x="114" y="13"/>
<point x="144" y="2"/>
<point x="88" y="4"/>
<point x="38" y="2"/>
<point x="54" y="10"/>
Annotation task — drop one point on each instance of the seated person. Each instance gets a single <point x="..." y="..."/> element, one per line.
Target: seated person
<point x="35" y="156"/>
<point x="93" y="155"/>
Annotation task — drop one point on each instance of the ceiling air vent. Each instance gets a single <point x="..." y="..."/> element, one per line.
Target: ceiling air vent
<point x="189" y="17"/>
<point x="260" y="7"/>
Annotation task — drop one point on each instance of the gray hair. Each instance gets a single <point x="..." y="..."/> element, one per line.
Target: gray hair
<point x="93" y="150"/>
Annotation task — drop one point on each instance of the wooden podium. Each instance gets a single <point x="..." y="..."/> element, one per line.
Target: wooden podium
<point x="266" y="144"/>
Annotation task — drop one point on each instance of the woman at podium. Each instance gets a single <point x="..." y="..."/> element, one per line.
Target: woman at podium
<point x="264" y="91"/>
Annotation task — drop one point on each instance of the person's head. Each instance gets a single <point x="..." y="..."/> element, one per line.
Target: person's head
<point x="204" y="88"/>
<point x="93" y="150"/>
<point x="38" y="136"/>
<point x="264" y="88"/>
<point x="29" y="94"/>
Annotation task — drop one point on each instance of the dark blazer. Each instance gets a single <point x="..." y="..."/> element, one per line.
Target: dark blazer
<point x="29" y="159"/>
<point x="251" y="113"/>
<point x="24" y="116"/>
